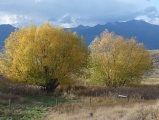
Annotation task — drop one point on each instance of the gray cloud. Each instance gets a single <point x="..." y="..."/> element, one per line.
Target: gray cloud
<point x="151" y="12"/>
<point x="74" y="12"/>
<point x="66" y="19"/>
<point x="150" y="9"/>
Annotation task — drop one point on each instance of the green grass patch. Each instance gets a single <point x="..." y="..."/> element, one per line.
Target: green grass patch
<point x="31" y="108"/>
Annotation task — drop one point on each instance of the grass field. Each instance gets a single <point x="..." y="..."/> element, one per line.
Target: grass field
<point x="107" y="109"/>
<point x="87" y="103"/>
<point x="27" y="107"/>
<point x="27" y="102"/>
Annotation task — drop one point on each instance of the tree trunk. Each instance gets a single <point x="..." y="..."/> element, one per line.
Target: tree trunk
<point x="51" y="85"/>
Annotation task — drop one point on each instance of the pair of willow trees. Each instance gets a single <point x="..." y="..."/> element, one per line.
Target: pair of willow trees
<point x="50" y="56"/>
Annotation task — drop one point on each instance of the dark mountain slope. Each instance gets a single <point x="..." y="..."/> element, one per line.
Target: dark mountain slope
<point x="5" y="31"/>
<point x="143" y="32"/>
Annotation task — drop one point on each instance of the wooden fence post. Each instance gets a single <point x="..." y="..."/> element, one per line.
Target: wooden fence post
<point x="90" y="100"/>
<point x="96" y="94"/>
<point x="104" y="94"/>
<point x="128" y="96"/>
<point x="56" y="101"/>
<point x="9" y="104"/>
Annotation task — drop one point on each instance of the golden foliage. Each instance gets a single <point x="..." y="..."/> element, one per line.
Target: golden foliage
<point x="116" y="61"/>
<point x="37" y="54"/>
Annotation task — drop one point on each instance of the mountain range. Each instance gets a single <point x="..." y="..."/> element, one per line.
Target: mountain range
<point x="142" y="31"/>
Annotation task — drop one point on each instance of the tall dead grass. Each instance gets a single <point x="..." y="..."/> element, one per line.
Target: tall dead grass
<point x="146" y="92"/>
<point x="8" y="87"/>
<point x="124" y="111"/>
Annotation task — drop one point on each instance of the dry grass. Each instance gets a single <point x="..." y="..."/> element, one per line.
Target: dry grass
<point x="11" y="88"/>
<point x="150" y="81"/>
<point x="147" y="92"/>
<point x="4" y="84"/>
<point x="106" y="109"/>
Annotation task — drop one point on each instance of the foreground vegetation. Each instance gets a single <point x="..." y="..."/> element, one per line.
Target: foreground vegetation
<point x="27" y="108"/>
<point x="101" y="108"/>
<point x="27" y="102"/>
<point x="84" y="103"/>
<point x="107" y="109"/>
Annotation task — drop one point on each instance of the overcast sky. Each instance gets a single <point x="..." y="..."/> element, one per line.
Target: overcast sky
<point x="71" y="13"/>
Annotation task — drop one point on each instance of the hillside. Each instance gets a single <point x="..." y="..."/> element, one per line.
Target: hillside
<point x="143" y="32"/>
<point x="5" y="31"/>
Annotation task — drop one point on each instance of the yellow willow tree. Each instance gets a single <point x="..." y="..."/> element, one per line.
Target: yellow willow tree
<point x="115" y="61"/>
<point x="43" y="55"/>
